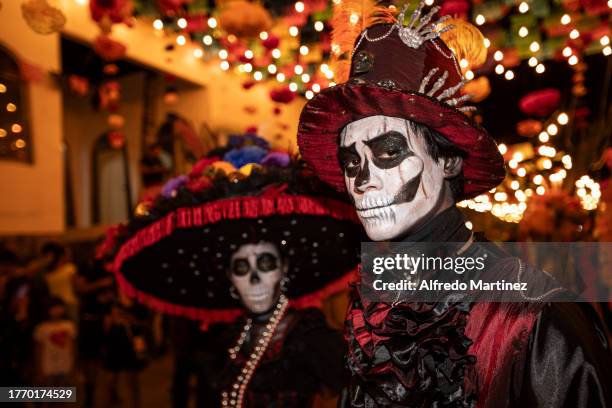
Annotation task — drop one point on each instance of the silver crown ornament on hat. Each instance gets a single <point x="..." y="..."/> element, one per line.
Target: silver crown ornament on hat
<point x="414" y="34"/>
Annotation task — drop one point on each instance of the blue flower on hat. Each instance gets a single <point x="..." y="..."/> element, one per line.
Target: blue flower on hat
<point x="245" y="155"/>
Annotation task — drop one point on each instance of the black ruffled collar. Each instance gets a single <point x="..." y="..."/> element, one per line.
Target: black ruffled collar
<point x="412" y="354"/>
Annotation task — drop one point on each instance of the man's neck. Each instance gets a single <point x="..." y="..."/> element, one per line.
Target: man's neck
<point x="446" y="226"/>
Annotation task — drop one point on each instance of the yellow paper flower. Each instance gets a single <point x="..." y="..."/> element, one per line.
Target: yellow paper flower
<point x="248" y="168"/>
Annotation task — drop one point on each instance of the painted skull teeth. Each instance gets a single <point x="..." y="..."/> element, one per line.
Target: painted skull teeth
<point x="378" y="216"/>
<point x="372" y="203"/>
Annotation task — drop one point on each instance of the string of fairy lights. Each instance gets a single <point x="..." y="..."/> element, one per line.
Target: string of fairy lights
<point x="305" y="78"/>
<point x="294" y="64"/>
<point x="15" y="128"/>
<point x="535" y="171"/>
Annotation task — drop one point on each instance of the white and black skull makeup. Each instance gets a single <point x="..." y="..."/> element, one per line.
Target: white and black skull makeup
<point x="256" y="271"/>
<point x="395" y="184"/>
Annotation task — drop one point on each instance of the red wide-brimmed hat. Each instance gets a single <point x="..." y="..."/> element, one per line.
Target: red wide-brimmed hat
<point x="405" y="72"/>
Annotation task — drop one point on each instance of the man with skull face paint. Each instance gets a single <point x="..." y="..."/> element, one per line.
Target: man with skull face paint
<point x="395" y="137"/>
<point x="276" y="242"/>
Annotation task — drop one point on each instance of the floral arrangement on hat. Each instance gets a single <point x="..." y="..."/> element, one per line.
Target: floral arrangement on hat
<point x="171" y="256"/>
<point x="245" y="165"/>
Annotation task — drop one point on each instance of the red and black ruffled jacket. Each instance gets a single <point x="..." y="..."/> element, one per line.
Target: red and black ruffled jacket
<point x="475" y="354"/>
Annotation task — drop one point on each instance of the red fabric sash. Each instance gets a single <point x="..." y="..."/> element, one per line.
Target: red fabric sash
<point x="500" y="332"/>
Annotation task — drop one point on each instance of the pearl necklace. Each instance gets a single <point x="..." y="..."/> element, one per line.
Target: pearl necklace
<point x="235" y="397"/>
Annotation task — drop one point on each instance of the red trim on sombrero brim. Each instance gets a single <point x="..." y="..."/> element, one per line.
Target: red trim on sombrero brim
<point x="212" y="316"/>
<point x="328" y="112"/>
<point x="229" y="209"/>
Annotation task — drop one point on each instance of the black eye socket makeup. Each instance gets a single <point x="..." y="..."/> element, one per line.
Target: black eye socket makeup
<point x="349" y="160"/>
<point x="389" y="149"/>
<point x="267" y="262"/>
<point x="240" y="266"/>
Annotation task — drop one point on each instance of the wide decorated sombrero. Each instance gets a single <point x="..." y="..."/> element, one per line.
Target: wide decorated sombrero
<point x="173" y="256"/>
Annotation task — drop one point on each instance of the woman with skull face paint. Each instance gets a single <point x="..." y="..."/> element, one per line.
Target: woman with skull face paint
<point x="395" y="137"/>
<point x="264" y="246"/>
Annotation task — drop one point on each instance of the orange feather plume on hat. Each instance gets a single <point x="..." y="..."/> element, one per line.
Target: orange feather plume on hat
<point x="465" y="41"/>
<point x="350" y="18"/>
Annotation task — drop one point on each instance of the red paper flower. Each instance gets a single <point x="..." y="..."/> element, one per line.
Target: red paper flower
<point x="540" y="103"/>
<point x="116" y="139"/>
<point x="109" y="94"/>
<point x="108" y="49"/>
<point x="199" y="184"/>
<point x="314" y="6"/>
<point x="293" y="18"/>
<point x="199" y="167"/>
<point x="78" y="85"/>
<point x="271" y="42"/>
<point x="529" y="127"/>
<point x="117" y="11"/>
<point x="171" y="7"/>
<point x="455" y="8"/>
<point x="249" y="84"/>
<point x="282" y="95"/>
<point x="197" y="23"/>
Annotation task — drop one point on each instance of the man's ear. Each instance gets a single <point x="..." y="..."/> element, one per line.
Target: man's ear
<point x="453" y="166"/>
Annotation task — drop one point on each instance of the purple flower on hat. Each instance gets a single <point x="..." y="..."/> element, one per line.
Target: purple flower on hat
<point x="245" y="155"/>
<point x="279" y="159"/>
<point x="172" y="185"/>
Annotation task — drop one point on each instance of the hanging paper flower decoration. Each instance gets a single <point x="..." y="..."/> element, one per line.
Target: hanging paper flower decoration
<point x="529" y="127"/>
<point x="78" y="84"/>
<point x="109" y="94"/>
<point x="197" y="23"/>
<point x="282" y="95"/>
<point x="271" y="42"/>
<point x="456" y="8"/>
<point x="42" y="18"/>
<point x="111" y="11"/>
<point x="30" y="72"/>
<point x="108" y="49"/>
<point x="244" y="19"/>
<point x="540" y="103"/>
<point x="295" y="18"/>
<point x="116" y="139"/>
<point x="479" y="88"/>
<point x="171" y="7"/>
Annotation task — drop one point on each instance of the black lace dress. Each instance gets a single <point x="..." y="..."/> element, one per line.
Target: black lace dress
<point x="304" y="356"/>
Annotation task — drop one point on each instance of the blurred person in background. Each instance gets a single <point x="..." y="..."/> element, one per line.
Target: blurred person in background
<point x="60" y="276"/>
<point x="15" y="318"/>
<point x="124" y="356"/>
<point x="55" y="347"/>
<point x="95" y="288"/>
